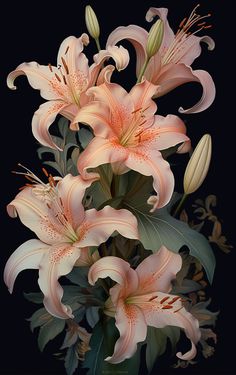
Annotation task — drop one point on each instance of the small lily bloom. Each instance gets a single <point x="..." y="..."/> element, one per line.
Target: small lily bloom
<point x="65" y="85"/>
<point x="65" y="230"/>
<point x="129" y="136"/>
<point x="170" y="67"/>
<point x="140" y="299"/>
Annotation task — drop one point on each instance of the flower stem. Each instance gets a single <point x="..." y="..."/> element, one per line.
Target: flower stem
<point x="98" y="44"/>
<point x="142" y="71"/>
<point x="178" y="208"/>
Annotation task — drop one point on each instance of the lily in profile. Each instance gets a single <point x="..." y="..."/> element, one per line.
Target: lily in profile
<point x="140" y="299"/>
<point x="54" y="211"/>
<point x="129" y="136"/>
<point x="170" y="67"/>
<point x="65" y="85"/>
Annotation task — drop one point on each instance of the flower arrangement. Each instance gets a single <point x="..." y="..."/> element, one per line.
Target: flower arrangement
<point x="136" y="268"/>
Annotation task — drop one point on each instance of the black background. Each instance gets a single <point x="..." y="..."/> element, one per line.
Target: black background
<point x="34" y="31"/>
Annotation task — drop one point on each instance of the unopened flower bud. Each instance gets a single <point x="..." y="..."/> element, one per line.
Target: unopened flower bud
<point x="92" y="22"/>
<point x="198" y="165"/>
<point x="155" y="38"/>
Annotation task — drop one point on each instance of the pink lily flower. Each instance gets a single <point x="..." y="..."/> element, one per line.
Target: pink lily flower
<point x="65" y="86"/>
<point x="170" y="67"/>
<point x="128" y="135"/>
<point x="65" y="230"/>
<point x="140" y="299"/>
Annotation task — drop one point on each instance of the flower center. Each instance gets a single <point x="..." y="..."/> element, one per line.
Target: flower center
<point x="132" y="134"/>
<point x="162" y="302"/>
<point x="176" y="50"/>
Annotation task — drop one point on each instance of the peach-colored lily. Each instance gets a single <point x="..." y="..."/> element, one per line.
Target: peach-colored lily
<point x="141" y="299"/>
<point x="170" y="67"/>
<point x="128" y="135"/>
<point x="56" y="214"/>
<point x="65" y="85"/>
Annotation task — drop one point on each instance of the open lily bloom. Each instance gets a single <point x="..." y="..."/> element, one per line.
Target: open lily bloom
<point x="140" y="299"/>
<point x="64" y="86"/>
<point x="56" y="214"/>
<point x="129" y="136"/>
<point x="170" y="67"/>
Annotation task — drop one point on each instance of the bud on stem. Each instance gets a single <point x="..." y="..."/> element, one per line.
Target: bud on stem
<point x="155" y="38"/>
<point x="92" y="24"/>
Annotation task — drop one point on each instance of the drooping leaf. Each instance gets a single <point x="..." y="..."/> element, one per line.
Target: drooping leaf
<point x="92" y="315"/>
<point x="39" y="318"/>
<point x="79" y="276"/>
<point x="160" y="228"/>
<point x="85" y="136"/>
<point x="34" y="297"/>
<point x="71" y="360"/>
<point x="156" y="346"/>
<point x="49" y="331"/>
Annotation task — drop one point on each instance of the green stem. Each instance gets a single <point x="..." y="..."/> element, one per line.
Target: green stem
<point x="144" y="67"/>
<point x="109" y="201"/>
<point x="115" y="184"/>
<point x="178" y="208"/>
<point x="98" y="44"/>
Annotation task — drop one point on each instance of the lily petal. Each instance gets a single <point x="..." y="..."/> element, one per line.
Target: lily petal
<point x="40" y="77"/>
<point x="166" y="132"/>
<point x="99" y="151"/>
<point x="132" y="326"/>
<point x="99" y="225"/>
<point x="158" y="270"/>
<point x="141" y="95"/>
<point x="119" y="54"/>
<point x="115" y="268"/>
<point x="57" y="262"/>
<point x="167" y="310"/>
<point x="26" y="256"/>
<point x="150" y="163"/>
<point x="136" y="35"/>
<point x="71" y="190"/>
<point x="42" y="120"/>
<point x="35" y="214"/>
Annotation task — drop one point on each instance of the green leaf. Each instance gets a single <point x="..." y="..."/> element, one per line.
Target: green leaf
<point x="49" y="331"/>
<point x="39" y="318"/>
<point x="92" y="315"/>
<point x="34" y="297"/>
<point x="71" y="360"/>
<point x="79" y="276"/>
<point x="102" y="345"/>
<point x="156" y="346"/>
<point x="160" y="228"/>
<point x="85" y="136"/>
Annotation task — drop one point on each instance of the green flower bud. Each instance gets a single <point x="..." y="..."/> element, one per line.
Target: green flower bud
<point x="198" y="165"/>
<point x="155" y="38"/>
<point x="92" y="22"/>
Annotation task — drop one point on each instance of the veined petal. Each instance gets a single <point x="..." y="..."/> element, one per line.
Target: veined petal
<point x="26" y="256"/>
<point x="132" y="326"/>
<point x="59" y="261"/>
<point x="174" y="75"/>
<point x="37" y="216"/>
<point x="71" y="189"/>
<point x="105" y="74"/>
<point x="167" y="310"/>
<point x="208" y="94"/>
<point x="99" y="225"/>
<point x="166" y="132"/>
<point x="118" y="270"/>
<point x="136" y="35"/>
<point x="70" y="50"/>
<point x="42" y="120"/>
<point x="142" y="94"/>
<point x="150" y="163"/>
<point x="99" y="151"/>
<point x="119" y="54"/>
<point x="40" y="77"/>
<point x="157" y="271"/>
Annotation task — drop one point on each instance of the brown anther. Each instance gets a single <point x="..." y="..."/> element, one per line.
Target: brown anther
<point x="64" y="79"/>
<point x="163" y="300"/>
<point x="142" y="123"/>
<point x="136" y="110"/>
<point x="174" y="300"/>
<point x="22" y="187"/>
<point x="57" y="77"/>
<point x="48" y="205"/>
<point x="50" y="67"/>
<point x="182" y="22"/>
<point x="51" y="180"/>
<point x="152" y="298"/>
<point x="178" y="309"/>
<point x="29" y="185"/>
<point x="201" y="24"/>
<point x="67" y="49"/>
<point x="28" y="178"/>
<point x="167" y="307"/>
<point x="60" y="201"/>
<point x="207" y="27"/>
<point x="45" y="172"/>
<point x="65" y="65"/>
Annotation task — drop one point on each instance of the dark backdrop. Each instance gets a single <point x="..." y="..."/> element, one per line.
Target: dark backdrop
<point x="34" y="31"/>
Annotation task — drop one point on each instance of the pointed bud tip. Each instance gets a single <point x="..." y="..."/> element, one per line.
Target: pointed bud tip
<point x="155" y="38"/>
<point x="92" y="22"/>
